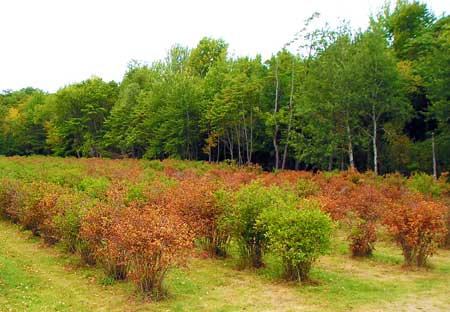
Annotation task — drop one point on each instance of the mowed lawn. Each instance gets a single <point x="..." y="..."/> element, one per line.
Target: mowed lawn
<point x="34" y="277"/>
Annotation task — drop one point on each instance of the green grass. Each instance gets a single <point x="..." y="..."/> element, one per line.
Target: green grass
<point x="34" y="277"/>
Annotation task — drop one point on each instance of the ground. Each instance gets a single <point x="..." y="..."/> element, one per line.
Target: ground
<point x="35" y="277"/>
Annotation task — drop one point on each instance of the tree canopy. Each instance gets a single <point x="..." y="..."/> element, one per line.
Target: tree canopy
<point x="375" y="99"/>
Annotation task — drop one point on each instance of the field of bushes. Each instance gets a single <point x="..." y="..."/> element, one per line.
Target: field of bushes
<point x="147" y="221"/>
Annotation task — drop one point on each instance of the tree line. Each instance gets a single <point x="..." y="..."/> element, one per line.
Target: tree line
<point x="332" y="98"/>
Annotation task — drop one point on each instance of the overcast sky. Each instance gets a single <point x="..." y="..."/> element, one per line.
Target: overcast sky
<point x="51" y="43"/>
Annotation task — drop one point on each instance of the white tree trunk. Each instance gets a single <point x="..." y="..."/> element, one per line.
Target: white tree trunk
<point x="350" y="148"/>
<point x="291" y="111"/>
<point x="275" y="111"/>
<point x="374" y="141"/>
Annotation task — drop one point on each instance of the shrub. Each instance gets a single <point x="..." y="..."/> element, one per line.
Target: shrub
<point x="95" y="230"/>
<point x="13" y="195"/>
<point x="306" y="188"/>
<point x="224" y="228"/>
<point x="241" y="218"/>
<point x="41" y="209"/>
<point x="94" y="187"/>
<point x="249" y="202"/>
<point x="192" y="199"/>
<point x="335" y="196"/>
<point x="446" y="242"/>
<point x="232" y="178"/>
<point x="366" y="206"/>
<point x="299" y="236"/>
<point x="73" y="206"/>
<point x="424" y="184"/>
<point x="358" y="205"/>
<point x="285" y="178"/>
<point x="152" y="240"/>
<point x="417" y="225"/>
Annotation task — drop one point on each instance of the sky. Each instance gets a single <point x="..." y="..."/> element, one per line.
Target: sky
<point x="48" y="44"/>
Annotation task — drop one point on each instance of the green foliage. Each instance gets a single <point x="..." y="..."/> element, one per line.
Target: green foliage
<point x="298" y="235"/>
<point x="368" y="99"/>
<point x="242" y="215"/>
<point x="79" y="112"/>
<point x="68" y="223"/>
<point x="94" y="187"/>
<point x="306" y="188"/>
<point x="408" y="21"/>
<point x="206" y="54"/>
<point x="23" y="123"/>
<point x="425" y="184"/>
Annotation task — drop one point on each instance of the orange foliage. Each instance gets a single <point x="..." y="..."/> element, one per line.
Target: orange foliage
<point x="285" y="177"/>
<point x="150" y="240"/>
<point x="417" y="225"/>
<point x="39" y="214"/>
<point x="12" y="199"/>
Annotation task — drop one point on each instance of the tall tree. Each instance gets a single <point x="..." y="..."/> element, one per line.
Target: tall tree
<point x="380" y="84"/>
<point x="80" y="110"/>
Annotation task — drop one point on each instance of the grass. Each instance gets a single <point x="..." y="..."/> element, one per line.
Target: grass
<point x="34" y="277"/>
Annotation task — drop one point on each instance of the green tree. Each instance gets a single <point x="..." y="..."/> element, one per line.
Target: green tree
<point x="207" y="53"/>
<point x="80" y="110"/>
<point x="124" y="131"/>
<point x="380" y="84"/>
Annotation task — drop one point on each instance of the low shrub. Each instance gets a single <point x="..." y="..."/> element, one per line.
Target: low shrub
<point x="95" y="230"/>
<point x="241" y="218"/>
<point x="73" y="207"/>
<point x="94" y="187"/>
<point x="151" y="241"/>
<point x="299" y="236"/>
<point x="418" y="225"/>
<point x="424" y="184"/>
<point x="13" y="195"/>
<point x="366" y="204"/>
<point x="306" y="188"/>
<point x="41" y="209"/>
<point x="357" y="205"/>
<point x="242" y="214"/>
<point x="194" y="201"/>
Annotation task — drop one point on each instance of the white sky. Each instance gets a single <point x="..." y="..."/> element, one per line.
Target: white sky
<point x="51" y="43"/>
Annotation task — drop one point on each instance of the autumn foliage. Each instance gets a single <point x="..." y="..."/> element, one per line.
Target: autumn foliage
<point x="137" y="220"/>
<point x="357" y="205"/>
<point x="149" y="241"/>
<point x="418" y="225"/>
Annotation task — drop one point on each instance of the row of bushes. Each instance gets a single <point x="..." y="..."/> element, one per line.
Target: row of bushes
<point x="141" y="240"/>
<point x="138" y="228"/>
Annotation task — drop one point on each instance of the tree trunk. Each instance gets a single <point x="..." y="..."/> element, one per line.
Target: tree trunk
<point x="275" y="111"/>
<point x="434" y="156"/>
<point x="283" y="165"/>
<point x="374" y="141"/>
<point x="245" y="147"/>
<point x="350" y="147"/>
<point x="238" y="138"/>
<point x="230" y="145"/>
<point x="209" y="150"/>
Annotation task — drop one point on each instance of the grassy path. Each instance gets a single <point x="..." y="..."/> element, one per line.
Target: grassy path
<point x="34" y="277"/>
<point x="38" y="278"/>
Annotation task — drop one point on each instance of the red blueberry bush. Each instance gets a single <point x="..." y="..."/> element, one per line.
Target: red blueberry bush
<point x="418" y="225"/>
<point x="151" y="240"/>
